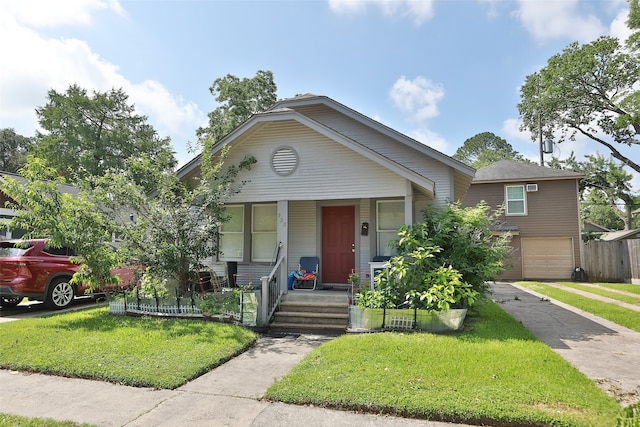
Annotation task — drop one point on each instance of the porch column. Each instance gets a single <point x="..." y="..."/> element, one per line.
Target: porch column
<point x="408" y="204"/>
<point x="283" y="237"/>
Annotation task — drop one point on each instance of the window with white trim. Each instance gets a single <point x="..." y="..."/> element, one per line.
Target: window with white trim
<point x="390" y="217"/>
<point x="516" y="200"/>
<point x="232" y="234"/>
<point x="263" y="232"/>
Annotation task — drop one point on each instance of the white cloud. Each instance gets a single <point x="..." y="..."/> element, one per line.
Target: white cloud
<point x="618" y="27"/>
<point x="419" y="10"/>
<point x="50" y="14"/>
<point x="547" y="20"/>
<point x="430" y="139"/>
<point x="24" y="83"/>
<point x="418" y="97"/>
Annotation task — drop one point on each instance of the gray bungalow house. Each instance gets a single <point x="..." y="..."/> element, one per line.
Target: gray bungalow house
<point x="542" y="213"/>
<point x="329" y="182"/>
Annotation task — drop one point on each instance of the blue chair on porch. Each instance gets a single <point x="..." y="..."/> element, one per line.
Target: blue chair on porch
<point x="307" y="275"/>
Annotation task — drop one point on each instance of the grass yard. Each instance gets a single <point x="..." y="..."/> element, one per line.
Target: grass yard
<point x="620" y="315"/>
<point x="627" y="287"/>
<point x="143" y="352"/>
<point x="7" y="420"/>
<point x="494" y="372"/>
<point x="604" y="291"/>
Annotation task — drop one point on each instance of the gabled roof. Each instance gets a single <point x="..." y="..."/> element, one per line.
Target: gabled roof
<point x="512" y="171"/>
<point x="311" y="99"/>
<point x="63" y="188"/>
<point x="622" y="234"/>
<point x="285" y="110"/>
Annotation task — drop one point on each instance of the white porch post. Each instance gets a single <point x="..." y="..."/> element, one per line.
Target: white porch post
<point x="283" y="237"/>
<point x="408" y="204"/>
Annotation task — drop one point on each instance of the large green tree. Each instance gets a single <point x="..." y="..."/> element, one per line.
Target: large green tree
<point x="606" y="187"/>
<point x="88" y="134"/>
<point x="13" y="150"/>
<point x="238" y="100"/>
<point x="589" y="90"/>
<point x="485" y="148"/>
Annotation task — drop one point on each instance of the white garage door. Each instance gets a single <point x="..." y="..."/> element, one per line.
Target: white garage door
<point x="547" y="258"/>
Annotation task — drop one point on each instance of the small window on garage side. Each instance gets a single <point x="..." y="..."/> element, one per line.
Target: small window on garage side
<point x="516" y="200"/>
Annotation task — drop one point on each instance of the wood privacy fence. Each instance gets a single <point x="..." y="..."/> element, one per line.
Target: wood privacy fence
<point x="616" y="261"/>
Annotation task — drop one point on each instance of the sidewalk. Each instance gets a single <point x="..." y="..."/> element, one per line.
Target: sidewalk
<point x="603" y="351"/>
<point x="226" y="396"/>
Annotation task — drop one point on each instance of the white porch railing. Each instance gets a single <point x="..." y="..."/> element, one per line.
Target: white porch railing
<point x="271" y="292"/>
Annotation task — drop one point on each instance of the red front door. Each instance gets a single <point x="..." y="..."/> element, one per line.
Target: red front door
<point x="338" y="243"/>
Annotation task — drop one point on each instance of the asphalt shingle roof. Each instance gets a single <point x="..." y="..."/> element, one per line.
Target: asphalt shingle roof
<point x="509" y="170"/>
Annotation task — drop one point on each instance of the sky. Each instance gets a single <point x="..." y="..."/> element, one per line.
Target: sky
<point x="439" y="71"/>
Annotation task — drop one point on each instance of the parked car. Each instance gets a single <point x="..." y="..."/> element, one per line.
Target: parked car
<point x="40" y="272"/>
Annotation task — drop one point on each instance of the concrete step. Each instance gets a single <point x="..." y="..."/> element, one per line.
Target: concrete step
<point x="314" y="307"/>
<point x="312" y="318"/>
<point x="298" y="328"/>
<point x="319" y="312"/>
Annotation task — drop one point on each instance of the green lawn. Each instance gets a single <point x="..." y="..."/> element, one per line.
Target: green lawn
<point x="7" y="420"/>
<point x="604" y="291"/>
<point x="620" y="315"/>
<point x="627" y="287"/>
<point x="152" y="352"/>
<point x="495" y="371"/>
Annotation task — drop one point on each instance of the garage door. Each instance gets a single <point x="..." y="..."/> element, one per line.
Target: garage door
<point x="547" y="258"/>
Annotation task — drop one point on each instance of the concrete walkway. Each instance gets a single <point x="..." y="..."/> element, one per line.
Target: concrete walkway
<point x="603" y="351"/>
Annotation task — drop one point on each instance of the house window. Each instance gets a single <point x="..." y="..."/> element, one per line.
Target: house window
<point x="232" y="235"/>
<point x="263" y="232"/>
<point x="516" y="200"/>
<point x="390" y="217"/>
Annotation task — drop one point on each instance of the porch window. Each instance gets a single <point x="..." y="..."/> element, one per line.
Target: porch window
<point x="516" y="200"/>
<point x="263" y="232"/>
<point x="232" y="234"/>
<point x="390" y="217"/>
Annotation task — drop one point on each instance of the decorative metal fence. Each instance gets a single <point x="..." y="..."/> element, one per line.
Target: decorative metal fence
<point x="187" y="305"/>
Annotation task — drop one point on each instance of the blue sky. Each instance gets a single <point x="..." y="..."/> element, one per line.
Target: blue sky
<point x="439" y="71"/>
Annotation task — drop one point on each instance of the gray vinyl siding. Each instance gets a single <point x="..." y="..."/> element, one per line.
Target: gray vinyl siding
<point x="388" y="147"/>
<point x="327" y="170"/>
<point x="552" y="211"/>
<point x="303" y="232"/>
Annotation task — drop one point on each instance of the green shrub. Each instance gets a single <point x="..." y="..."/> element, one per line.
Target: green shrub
<point x="460" y="237"/>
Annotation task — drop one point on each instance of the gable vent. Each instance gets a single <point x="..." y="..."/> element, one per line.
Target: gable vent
<point x="284" y="161"/>
<point x="532" y="187"/>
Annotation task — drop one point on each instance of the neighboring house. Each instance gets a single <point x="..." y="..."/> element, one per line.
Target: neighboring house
<point x="591" y="231"/>
<point x="541" y="211"/>
<point x="621" y="235"/>
<point x="328" y="182"/>
<point x="6" y="214"/>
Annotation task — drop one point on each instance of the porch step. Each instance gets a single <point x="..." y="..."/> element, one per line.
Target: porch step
<point x="317" y="312"/>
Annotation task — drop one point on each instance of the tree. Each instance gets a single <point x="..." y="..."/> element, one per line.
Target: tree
<point x="176" y="229"/>
<point x="239" y="99"/>
<point x="634" y="23"/>
<point x="13" y="150"/>
<point x="485" y="148"/>
<point x="590" y="90"/>
<point x="89" y="134"/>
<point x="75" y="221"/>
<point x="606" y="186"/>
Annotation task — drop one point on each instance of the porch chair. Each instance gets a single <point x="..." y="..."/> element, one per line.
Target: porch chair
<point x="307" y="274"/>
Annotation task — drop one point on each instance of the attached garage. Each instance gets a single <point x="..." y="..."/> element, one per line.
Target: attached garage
<point x="547" y="258"/>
